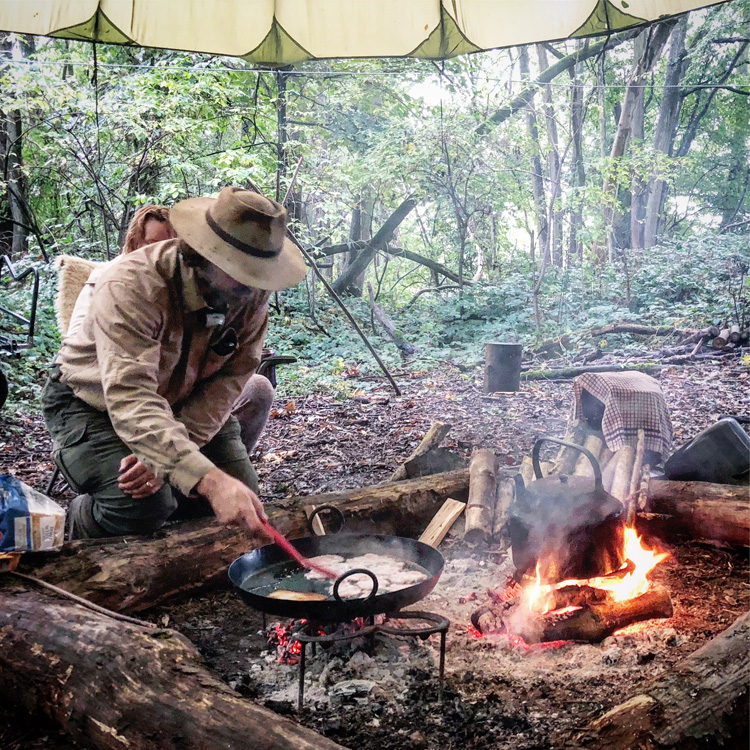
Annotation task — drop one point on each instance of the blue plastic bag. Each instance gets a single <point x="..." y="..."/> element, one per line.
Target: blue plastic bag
<point x="29" y="520"/>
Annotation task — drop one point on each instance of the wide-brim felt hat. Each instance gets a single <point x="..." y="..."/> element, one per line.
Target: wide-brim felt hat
<point x="244" y="234"/>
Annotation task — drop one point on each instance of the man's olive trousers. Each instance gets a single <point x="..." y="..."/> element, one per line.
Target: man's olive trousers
<point x="89" y="452"/>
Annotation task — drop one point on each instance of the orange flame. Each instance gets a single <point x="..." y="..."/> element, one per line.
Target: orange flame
<point x="537" y="597"/>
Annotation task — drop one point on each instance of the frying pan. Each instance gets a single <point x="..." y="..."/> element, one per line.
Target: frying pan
<point x="260" y="572"/>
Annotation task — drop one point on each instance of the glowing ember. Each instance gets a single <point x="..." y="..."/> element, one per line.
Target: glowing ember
<point x="627" y="583"/>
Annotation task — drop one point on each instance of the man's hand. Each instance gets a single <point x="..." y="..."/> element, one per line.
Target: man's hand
<point x="233" y="502"/>
<point x="136" y="479"/>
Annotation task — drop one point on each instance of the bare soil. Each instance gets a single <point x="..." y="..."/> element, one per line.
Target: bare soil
<point x="497" y="695"/>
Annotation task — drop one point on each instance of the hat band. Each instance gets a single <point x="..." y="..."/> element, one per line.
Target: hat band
<point x="239" y="244"/>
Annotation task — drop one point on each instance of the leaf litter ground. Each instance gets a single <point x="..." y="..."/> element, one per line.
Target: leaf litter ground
<point x="496" y="695"/>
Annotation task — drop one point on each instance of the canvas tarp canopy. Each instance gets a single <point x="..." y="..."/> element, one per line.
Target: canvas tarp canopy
<point x="282" y="32"/>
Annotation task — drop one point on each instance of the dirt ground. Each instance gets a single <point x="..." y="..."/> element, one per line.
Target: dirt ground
<point x="496" y="695"/>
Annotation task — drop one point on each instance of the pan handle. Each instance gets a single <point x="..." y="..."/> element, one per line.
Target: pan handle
<point x="321" y="508"/>
<point x="355" y="571"/>
<point x="598" y="487"/>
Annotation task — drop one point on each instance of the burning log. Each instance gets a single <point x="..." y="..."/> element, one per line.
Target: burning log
<point x="702" y="702"/>
<point x="702" y="510"/>
<point x="482" y="496"/>
<point x="111" y="684"/>
<point x="597" y="620"/>
<point x="598" y="616"/>
<point x="132" y="574"/>
<point x="432" y="439"/>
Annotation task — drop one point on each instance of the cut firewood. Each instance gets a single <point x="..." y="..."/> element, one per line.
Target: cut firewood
<point x="132" y="574"/>
<point x="432" y="439"/>
<point x="734" y="334"/>
<point x="609" y="469"/>
<point x="566" y="458"/>
<point x="623" y="472"/>
<point x="594" y="444"/>
<point x="721" y="340"/>
<point x="482" y="496"/>
<point x="526" y="470"/>
<point x="111" y="684"/>
<point x="635" y="478"/>
<point x="442" y="522"/>
<point x="702" y="510"/>
<point x="700" y="703"/>
<point x="506" y="489"/>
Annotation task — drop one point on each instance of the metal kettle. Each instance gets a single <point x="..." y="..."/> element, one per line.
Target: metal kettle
<point x="569" y="525"/>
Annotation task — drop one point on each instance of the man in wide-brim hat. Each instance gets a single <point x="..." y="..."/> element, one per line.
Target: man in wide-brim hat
<point x="139" y="400"/>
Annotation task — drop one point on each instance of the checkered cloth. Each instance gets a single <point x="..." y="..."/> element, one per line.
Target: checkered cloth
<point x="632" y="401"/>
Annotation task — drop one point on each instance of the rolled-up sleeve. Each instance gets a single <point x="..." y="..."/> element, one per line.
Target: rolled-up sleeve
<point x="126" y="332"/>
<point x="209" y="405"/>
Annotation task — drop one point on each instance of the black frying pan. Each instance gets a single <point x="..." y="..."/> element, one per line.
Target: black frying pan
<point x="258" y="573"/>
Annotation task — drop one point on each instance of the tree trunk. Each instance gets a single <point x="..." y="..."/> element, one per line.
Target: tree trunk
<point x="553" y="166"/>
<point x="110" y="684"/>
<point x="666" y="127"/>
<point x="11" y="163"/>
<point x="657" y="37"/>
<point x="132" y="574"/>
<point x="703" y="510"/>
<point x="567" y="62"/>
<point x="537" y="174"/>
<point x="344" y="283"/>
<point x="700" y="703"/>
<point x="578" y="180"/>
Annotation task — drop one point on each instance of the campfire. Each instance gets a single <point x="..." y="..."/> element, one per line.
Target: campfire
<point x="541" y="609"/>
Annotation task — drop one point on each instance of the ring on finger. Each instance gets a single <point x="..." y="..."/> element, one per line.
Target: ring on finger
<point x="148" y="484"/>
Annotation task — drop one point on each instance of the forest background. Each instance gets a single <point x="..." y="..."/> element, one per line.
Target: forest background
<point x="513" y="195"/>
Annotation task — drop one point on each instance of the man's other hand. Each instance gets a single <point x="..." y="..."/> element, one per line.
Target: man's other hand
<point x="233" y="502"/>
<point x="136" y="479"/>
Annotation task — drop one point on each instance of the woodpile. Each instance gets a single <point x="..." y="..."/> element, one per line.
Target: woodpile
<point x="692" y="346"/>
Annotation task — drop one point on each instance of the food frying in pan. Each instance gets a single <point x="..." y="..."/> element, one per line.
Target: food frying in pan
<point x="392" y="574"/>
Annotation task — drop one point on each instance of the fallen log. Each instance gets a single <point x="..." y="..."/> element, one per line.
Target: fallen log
<point x="482" y="496"/>
<point x="702" y="510"/>
<point x="131" y="574"/>
<point x="639" y="330"/>
<point x="702" y="702"/>
<point x="562" y="373"/>
<point x="113" y="685"/>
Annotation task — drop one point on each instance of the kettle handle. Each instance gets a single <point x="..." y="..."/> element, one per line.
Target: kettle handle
<point x="598" y="486"/>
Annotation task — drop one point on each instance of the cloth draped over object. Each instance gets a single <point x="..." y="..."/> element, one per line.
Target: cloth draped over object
<point x="284" y="32"/>
<point x="632" y="401"/>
